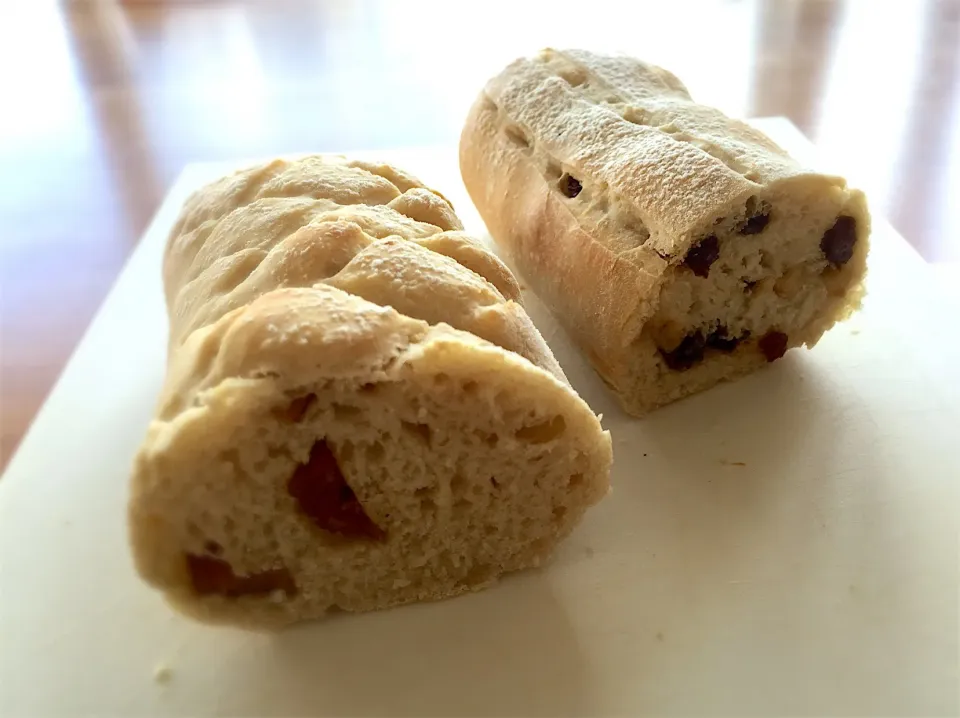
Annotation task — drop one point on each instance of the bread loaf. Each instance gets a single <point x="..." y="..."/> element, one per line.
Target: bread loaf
<point x="357" y="411"/>
<point x="677" y="246"/>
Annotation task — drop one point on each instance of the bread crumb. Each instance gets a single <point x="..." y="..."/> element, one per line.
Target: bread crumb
<point x="162" y="674"/>
<point x="854" y="332"/>
<point x="732" y="463"/>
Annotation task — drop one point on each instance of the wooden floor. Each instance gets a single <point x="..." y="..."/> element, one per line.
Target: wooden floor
<point x="102" y="103"/>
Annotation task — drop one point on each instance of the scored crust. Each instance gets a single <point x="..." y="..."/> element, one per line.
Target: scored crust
<point x="357" y="411"/>
<point x="614" y="193"/>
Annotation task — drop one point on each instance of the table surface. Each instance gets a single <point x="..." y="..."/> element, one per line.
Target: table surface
<point x="104" y="102"/>
<point x="782" y="545"/>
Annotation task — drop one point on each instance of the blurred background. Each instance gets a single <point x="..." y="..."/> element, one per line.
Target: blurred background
<point x="103" y="102"/>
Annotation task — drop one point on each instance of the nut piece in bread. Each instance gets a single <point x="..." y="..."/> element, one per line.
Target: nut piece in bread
<point x="357" y="411"/>
<point x="677" y="246"/>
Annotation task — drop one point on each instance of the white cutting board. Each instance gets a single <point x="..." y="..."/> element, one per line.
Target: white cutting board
<point x="785" y="545"/>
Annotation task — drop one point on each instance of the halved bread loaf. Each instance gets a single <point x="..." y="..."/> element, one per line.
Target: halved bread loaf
<point x="357" y="412"/>
<point x="677" y="246"/>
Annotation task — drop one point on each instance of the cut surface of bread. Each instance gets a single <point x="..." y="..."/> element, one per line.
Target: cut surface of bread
<point x="357" y="411"/>
<point x="678" y="247"/>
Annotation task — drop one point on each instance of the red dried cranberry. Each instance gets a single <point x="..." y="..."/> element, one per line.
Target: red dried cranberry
<point x="211" y="576"/>
<point x="570" y="186"/>
<point x="755" y="224"/>
<point x="324" y="495"/>
<point x="703" y="255"/>
<point x="688" y="353"/>
<point x="838" y="241"/>
<point x="773" y="345"/>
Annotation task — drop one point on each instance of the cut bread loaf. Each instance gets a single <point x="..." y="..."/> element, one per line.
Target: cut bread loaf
<point x="677" y="246"/>
<point x="357" y="411"/>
